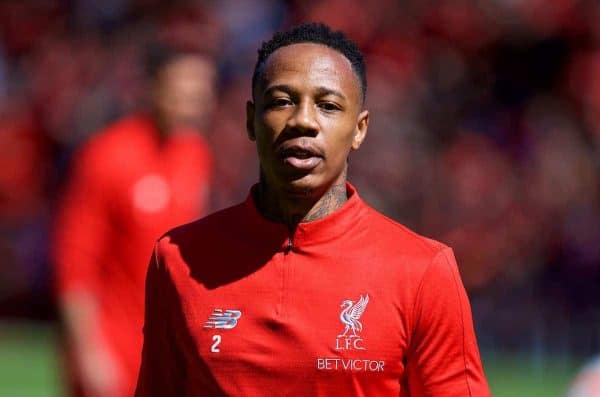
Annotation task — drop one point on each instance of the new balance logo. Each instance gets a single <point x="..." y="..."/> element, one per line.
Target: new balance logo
<point x="220" y="319"/>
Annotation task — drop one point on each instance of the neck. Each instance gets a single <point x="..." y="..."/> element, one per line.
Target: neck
<point x="162" y="126"/>
<point x="291" y="210"/>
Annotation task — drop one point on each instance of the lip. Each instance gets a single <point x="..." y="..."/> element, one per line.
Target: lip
<point x="302" y="163"/>
<point x="300" y="155"/>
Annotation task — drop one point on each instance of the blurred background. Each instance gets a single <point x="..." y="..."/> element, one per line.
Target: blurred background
<point x="485" y="134"/>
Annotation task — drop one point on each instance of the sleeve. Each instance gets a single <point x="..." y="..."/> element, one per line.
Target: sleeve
<point x="160" y="372"/>
<point x="82" y="226"/>
<point x="443" y="359"/>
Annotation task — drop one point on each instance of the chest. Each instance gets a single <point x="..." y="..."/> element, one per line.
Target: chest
<point x="325" y="320"/>
<point x="153" y="189"/>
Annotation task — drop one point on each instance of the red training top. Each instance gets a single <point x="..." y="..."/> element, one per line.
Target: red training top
<point x="352" y="304"/>
<point x="127" y="187"/>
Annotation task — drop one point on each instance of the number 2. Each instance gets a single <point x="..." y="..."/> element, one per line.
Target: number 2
<point x="217" y="340"/>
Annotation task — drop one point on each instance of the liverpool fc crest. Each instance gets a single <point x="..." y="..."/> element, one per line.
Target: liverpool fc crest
<point x="350" y="317"/>
<point x="351" y="314"/>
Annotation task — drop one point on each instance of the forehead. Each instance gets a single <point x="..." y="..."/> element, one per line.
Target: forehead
<point x="312" y="64"/>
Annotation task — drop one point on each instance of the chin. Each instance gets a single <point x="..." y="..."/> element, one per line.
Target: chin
<point x="307" y="186"/>
<point x="300" y="189"/>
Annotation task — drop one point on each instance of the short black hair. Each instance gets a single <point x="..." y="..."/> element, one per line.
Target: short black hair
<point x="157" y="56"/>
<point x="318" y="33"/>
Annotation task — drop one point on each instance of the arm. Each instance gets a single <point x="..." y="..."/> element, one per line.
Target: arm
<point x="160" y="374"/>
<point x="80" y="235"/>
<point x="97" y="369"/>
<point x="444" y="359"/>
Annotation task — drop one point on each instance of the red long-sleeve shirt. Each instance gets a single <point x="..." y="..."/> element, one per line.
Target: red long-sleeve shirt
<point x="352" y="304"/>
<point x="127" y="187"/>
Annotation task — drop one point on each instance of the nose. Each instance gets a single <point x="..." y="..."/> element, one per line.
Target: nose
<point x="303" y="120"/>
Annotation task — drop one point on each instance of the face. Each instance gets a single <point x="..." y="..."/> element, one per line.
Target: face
<point x="306" y="118"/>
<point x="184" y="91"/>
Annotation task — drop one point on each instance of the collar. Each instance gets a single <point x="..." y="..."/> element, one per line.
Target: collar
<point x="346" y="219"/>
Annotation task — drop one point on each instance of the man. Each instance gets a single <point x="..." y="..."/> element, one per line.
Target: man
<point x="303" y="289"/>
<point x="143" y="174"/>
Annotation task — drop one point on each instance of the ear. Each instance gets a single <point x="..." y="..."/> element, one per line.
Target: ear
<point x="250" y="120"/>
<point x="360" y="133"/>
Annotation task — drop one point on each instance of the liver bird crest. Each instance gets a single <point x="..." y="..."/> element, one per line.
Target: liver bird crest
<point x="351" y="314"/>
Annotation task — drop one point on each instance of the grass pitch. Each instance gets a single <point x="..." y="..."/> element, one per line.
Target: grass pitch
<point x="30" y="367"/>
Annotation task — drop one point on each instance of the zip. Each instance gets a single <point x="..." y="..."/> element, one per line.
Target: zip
<point x="285" y="275"/>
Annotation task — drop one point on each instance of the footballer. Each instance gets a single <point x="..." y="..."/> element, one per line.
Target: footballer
<point x="303" y="289"/>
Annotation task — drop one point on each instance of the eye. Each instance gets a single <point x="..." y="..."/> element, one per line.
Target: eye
<point x="329" y="107"/>
<point x="280" y="102"/>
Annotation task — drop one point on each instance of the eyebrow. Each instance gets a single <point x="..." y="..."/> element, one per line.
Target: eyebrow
<point x="321" y="91"/>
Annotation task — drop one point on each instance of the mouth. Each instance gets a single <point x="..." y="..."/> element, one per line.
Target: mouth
<point x="302" y="157"/>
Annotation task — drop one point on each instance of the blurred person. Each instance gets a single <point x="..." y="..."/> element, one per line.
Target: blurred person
<point x="303" y="289"/>
<point x="144" y="173"/>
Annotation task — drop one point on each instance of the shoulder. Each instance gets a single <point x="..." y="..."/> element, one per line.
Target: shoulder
<point x="190" y="149"/>
<point x="403" y="256"/>
<point x="111" y="153"/>
<point x="118" y="139"/>
<point x="395" y="235"/>
<point x="211" y="233"/>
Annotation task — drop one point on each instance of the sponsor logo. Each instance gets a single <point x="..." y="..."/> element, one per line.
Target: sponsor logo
<point x="349" y="364"/>
<point x="220" y="319"/>
<point x="350" y="340"/>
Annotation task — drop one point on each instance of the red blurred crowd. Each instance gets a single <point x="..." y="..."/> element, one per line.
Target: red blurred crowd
<point x="485" y="134"/>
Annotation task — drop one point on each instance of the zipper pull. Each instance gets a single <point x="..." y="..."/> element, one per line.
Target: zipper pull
<point x="289" y="246"/>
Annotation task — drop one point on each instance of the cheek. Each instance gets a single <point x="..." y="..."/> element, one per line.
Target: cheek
<point x="263" y="143"/>
<point x="273" y="122"/>
<point x="268" y="127"/>
<point x="266" y="136"/>
<point x="340" y="142"/>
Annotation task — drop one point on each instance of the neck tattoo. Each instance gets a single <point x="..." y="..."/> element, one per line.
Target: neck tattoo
<point x="332" y="200"/>
<point x="278" y="209"/>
